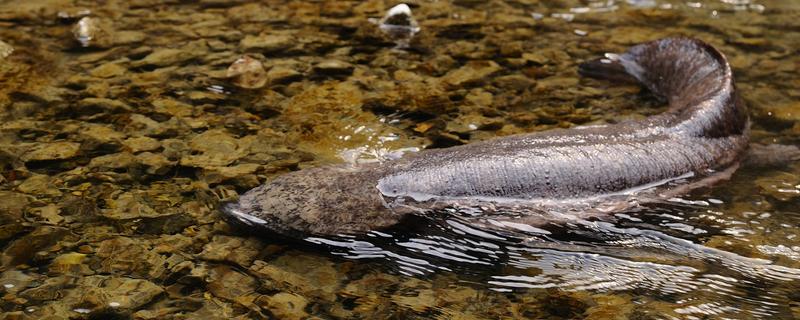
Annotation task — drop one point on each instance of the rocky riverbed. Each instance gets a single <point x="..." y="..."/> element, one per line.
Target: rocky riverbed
<point x="123" y="125"/>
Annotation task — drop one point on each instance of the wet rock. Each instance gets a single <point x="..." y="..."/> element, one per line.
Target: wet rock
<point x="247" y="72"/>
<point x="281" y="74"/>
<point x="139" y="144"/>
<point x="155" y="163"/>
<point x="440" y="64"/>
<point x="49" y="214"/>
<point x="128" y="37"/>
<point x="93" y="32"/>
<point x="108" y="70"/>
<point x="214" y="308"/>
<point x="268" y="42"/>
<point x="417" y="295"/>
<point x="122" y="255"/>
<point x="369" y="291"/>
<point x="244" y="174"/>
<point x="611" y="307"/>
<point x="214" y="148"/>
<point x="129" y="205"/>
<point x="471" y="122"/>
<point x="472" y="73"/>
<point x="174" y="243"/>
<point x="111" y="162"/>
<point x="13" y="281"/>
<point x="95" y="105"/>
<point x="788" y="112"/>
<point x="100" y="135"/>
<point x="173" y="107"/>
<point x="72" y="263"/>
<point x="25" y="248"/>
<point x="5" y="50"/>
<point x="305" y="275"/>
<point x="165" y="225"/>
<point x="169" y="56"/>
<point x="241" y="251"/>
<point x="49" y="289"/>
<point x="285" y="305"/>
<point x="12" y="205"/>
<point x="333" y="67"/>
<point x="783" y="186"/>
<point x="144" y="126"/>
<point x="226" y="283"/>
<point x="514" y="82"/>
<point x="52" y="151"/>
<point x="174" y="149"/>
<point x="399" y="25"/>
<point x="98" y="292"/>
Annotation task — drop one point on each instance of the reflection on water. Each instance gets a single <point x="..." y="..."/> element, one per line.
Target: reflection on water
<point x="654" y="251"/>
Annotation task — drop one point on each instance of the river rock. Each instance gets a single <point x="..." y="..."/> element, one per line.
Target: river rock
<point x="247" y="72"/>
<point x="215" y="148"/>
<point x="783" y="186"/>
<point x="5" y="49"/>
<point x="155" y="163"/>
<point x="94" y="105"/>
<point x="129" y="205"/>
<point x="241" y="251"/>
<point x="114" y="292"/>
<point x="13" y="204"/>
<point x="304" y="275"/>
<point x="281" y="74"/>
<point x="139" y="144"/>
<point x="285" y="305"/>
<point x="72" y="263"/>
<point x="472" y="73"/>
<point x="114" y="161"/>
<point x="334" y="67"/>
<point x="25" y="248"/>
<point x="267" y="42"/>
<point x="226" y="283"/>
<point x="173" y="107"/>
<point x="93" y="32"/>
<point x="124" y="255"/>
<point x="52" y="151"/>
<point x="100" y="134"/>
<point x="164" y="57"/>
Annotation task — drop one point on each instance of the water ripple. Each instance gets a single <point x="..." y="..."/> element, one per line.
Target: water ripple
<point x="639" y="251"/>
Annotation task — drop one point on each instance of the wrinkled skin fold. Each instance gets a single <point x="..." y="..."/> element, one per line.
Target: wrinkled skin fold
<point x="581" y="170"/>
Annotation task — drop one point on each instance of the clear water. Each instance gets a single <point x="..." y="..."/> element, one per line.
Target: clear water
<point x="114" y="155"/>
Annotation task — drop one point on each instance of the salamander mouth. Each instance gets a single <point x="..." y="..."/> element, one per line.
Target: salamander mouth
<point x="233" y="213"/>
<point x="239" y="218"/>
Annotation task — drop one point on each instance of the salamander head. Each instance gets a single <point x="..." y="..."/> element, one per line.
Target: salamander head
<point x="322" y="201"/>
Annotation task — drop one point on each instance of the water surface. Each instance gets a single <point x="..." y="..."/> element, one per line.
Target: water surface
<point x="114" y="155"/>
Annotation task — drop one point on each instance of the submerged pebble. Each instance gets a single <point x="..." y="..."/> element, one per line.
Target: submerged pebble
<point x="247" y="72"/>
<point x="399" y="25"/>
<point x="5" y="49"/>
<point x="93" y="32"/>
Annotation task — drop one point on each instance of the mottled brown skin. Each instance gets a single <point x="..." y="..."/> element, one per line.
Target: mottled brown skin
<point x="534" y="178"/>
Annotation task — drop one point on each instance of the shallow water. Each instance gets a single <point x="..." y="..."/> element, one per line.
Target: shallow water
<point x="114" y="156"/>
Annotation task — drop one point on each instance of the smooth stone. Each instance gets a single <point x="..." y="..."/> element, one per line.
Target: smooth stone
<point x="52" y="151"/>
<point x="108" y="70"/>
<point x="5" y="49"/>
<point x="241" y="251"/>
<point x="104" y="104"/>
<point x="268" y="42"/>
<point x="281" y="74"/>
<point x="139" y="144"/>
<point x="471" y="73"/>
